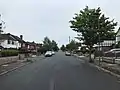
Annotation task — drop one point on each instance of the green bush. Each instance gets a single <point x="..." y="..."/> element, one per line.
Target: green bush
<point x="5" y="53"/>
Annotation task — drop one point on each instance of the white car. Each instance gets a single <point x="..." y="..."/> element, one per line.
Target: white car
<point x="48" y="54"/>
<point x="117" y="50"/>
<point x="67" y="53"/>
<point x="33" y="55"/>
<point x="53" y="53"/>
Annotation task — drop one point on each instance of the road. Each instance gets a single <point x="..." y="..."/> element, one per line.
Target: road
<point x="59" y="72"/>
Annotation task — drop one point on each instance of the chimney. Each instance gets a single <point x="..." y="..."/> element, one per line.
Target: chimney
<point x="21" y="37"/>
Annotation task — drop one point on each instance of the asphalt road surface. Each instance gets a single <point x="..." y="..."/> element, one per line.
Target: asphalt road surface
<point x="59" y="72"/>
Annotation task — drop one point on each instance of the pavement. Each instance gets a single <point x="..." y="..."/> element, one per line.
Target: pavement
<point x="5" y="68"/>
<point x="58" y="72"/>
<point x="105" y="64"/>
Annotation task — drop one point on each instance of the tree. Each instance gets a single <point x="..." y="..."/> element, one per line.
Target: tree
<point x="1" y="28"/>
<point x="72" y="45"/>
<point x="83" y="50"/>
<point x="54" y="46"/>
<point x="63" y="48"/>
<point x="47" y="45"/>
<point x="2" y="23"/>
<point x="92" y="27"/>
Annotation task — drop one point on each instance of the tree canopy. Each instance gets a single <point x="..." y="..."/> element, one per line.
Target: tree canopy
<point x="92" y="26"/>
<point x="2" y="23"/>
<point x="63" y="48"/>
<point x="49" y="45"/>
<point x="54" y="46"/>
<point x="72" y="45"/>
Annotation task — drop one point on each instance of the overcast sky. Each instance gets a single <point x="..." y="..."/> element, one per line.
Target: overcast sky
<point x="35" y="19"/>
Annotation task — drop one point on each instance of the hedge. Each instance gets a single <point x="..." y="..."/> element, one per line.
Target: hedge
<point x="5" y="53"/>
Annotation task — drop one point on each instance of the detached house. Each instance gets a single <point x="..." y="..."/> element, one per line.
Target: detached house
<point x="31" y="46"/>
<point x="118" y="36"/>
<point x="20" y="41"/>
<point x="10" y="41"/>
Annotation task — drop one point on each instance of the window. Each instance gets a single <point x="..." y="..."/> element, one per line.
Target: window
<point x="12" y="42"/>
<point x="8" y="41"/>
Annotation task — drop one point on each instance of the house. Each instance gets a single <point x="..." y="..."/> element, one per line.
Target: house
<point x="104" y="46"/>
<point x="1" y="48"/>
<point x="20" y="41"/>
<point x="118" y="36"/>
<point x="10" y="41"/>
<point x="38" y="46"/>
<point x="30" y="47"/>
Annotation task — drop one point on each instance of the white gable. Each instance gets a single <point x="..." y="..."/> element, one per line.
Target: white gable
<point x="118" y="36"/>
<point x="105" y="43"/>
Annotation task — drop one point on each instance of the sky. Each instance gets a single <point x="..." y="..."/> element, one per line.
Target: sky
<point x="35" y="19"/>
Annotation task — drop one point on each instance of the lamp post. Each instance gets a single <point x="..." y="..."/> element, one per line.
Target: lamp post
<point x="98" y="37"/>
<point x="99" y="49"/>
<point x="114" y="50"/>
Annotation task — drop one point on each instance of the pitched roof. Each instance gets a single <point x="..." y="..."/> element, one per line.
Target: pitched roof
<point x="10" y="37"/>
<point x="1" y="47"/>
<point x="6" y="36"/>
<point x="18" y="39"/>
<point x="31" y="43"/>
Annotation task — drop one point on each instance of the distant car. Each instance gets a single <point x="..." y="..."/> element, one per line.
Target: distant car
<point x="48" y="54"/>
<point x="33" y="55"/>
<point x="67" y="53"/>
<point x="53" y="53"/>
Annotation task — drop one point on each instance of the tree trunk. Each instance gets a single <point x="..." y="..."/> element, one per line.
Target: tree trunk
<point x="90" y="59"/>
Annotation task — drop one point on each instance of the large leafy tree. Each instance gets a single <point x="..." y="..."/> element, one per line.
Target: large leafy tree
<point x="54" y="46"/>
<point x="92" y="26"/>
<point x="72" y="45"/>
<point x="63" y="48"/>
<point x="47" y="45"/>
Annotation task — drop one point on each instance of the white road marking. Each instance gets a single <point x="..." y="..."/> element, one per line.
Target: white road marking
<point x="52" y="84"/>
<point x="81" y="56"/>
<point x="5" y="65"/>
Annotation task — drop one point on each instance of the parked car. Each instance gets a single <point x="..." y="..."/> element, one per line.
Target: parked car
<point x="53" y="53"/>
<point x="67" y="53"/>
<point x="112" y="53"/>
<point x="48" y="54"/>
<point x="33" y="55"/>
<point x="117" y="50"/>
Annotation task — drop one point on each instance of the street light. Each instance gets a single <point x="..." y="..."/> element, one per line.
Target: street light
<point x="98" y="39"/>
<point x="114" y="50"/>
